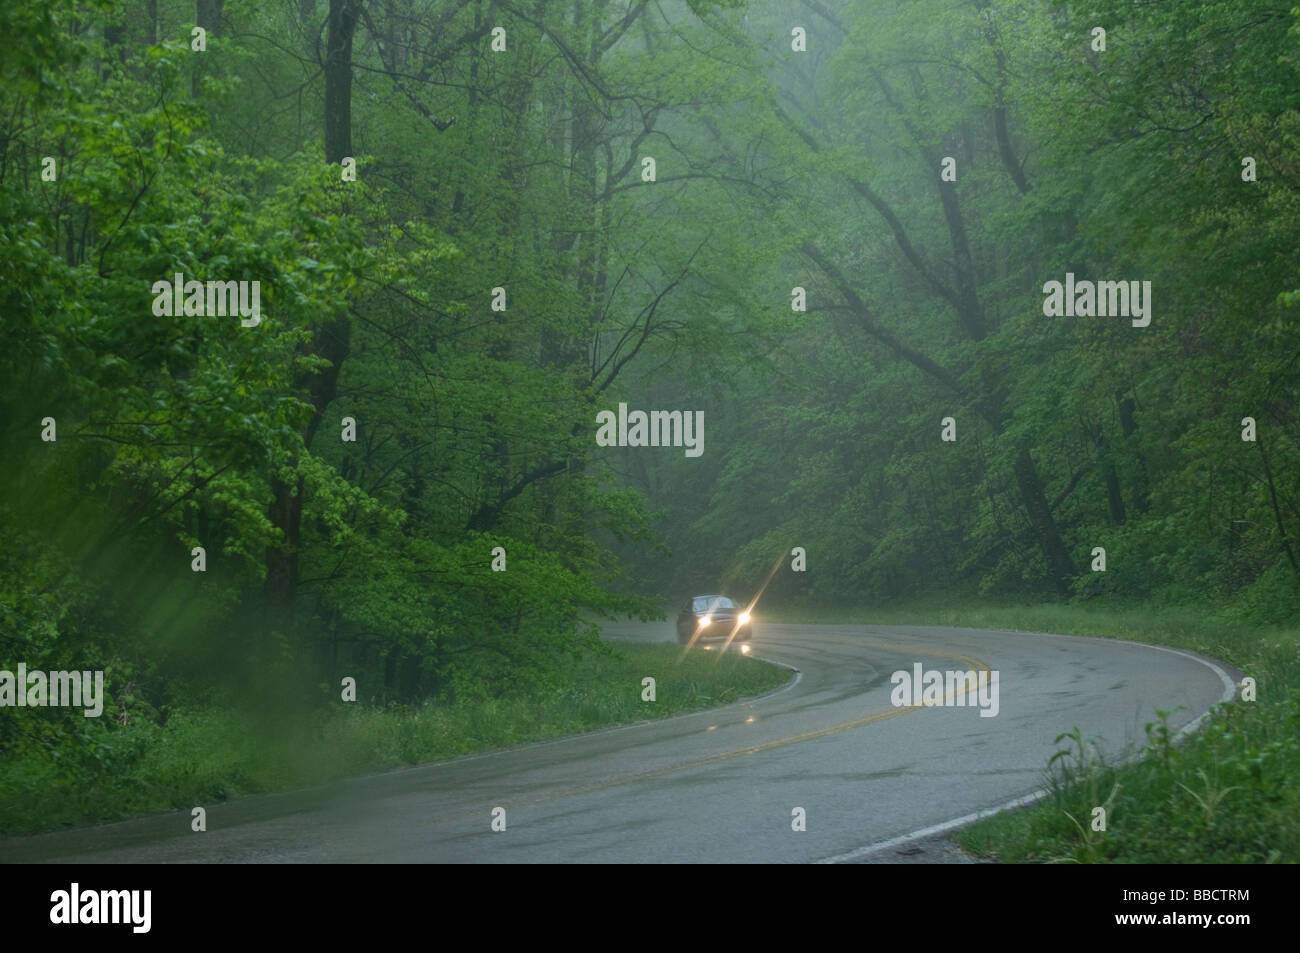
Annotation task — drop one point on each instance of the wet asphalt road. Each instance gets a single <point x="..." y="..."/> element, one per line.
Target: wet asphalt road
<point x="720" y="785"/>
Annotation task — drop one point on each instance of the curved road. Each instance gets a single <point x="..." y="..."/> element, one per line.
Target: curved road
<point x="720" y="785"/>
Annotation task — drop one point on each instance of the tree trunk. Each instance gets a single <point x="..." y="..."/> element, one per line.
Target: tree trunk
<point x="331" y="341"/>
<point x="282" y="560"/>
<point x="1277" y="510"/>
<point x="1114" y="497"/>
<point x="207" y="14"/>
<point x="342" y="26"/>
<point x="1060" y="567"/>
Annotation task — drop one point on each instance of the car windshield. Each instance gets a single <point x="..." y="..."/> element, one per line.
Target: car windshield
<point x="709" y="603"/>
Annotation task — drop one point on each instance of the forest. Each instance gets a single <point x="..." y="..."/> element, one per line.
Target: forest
<point x="324" y="321"/>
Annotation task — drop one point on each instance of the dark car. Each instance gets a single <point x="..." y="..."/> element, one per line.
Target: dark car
<point x="714" y="618"/>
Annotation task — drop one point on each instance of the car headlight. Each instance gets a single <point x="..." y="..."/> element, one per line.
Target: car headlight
<point x="705" y="620"/>
<point x="744" y="618"/>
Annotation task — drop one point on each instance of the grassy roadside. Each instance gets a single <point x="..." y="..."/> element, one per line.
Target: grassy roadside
<point x="1230" y="793"/>
<point x="204" y="755"/>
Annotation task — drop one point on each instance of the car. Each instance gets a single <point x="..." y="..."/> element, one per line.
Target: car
<point x="709" y="619"/>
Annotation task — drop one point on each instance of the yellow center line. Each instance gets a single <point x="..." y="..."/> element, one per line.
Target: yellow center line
<point x="972" y="663"/>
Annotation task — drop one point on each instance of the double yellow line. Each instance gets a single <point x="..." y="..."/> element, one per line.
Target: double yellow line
<point x="972" y="664"/>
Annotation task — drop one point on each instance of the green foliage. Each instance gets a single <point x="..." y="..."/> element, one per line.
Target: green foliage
<point x="207" y="754"/>
<point x="775" y="170"/>
<point x="1224" y="794"/>
<point x="1131" y="169"/>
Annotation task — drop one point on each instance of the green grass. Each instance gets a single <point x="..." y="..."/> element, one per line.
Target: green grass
<point x="205" y="755"/>
<point x="1230" y="793"/>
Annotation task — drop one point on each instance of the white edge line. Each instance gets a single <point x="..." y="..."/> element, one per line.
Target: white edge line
<point x="932" y="830"/>
<point x="1229" y="692"/>
<point x="1229" y="686"/>
<point x="326" y="787"/>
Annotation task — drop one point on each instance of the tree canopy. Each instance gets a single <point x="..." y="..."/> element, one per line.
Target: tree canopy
<point x="477" y="224"/>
